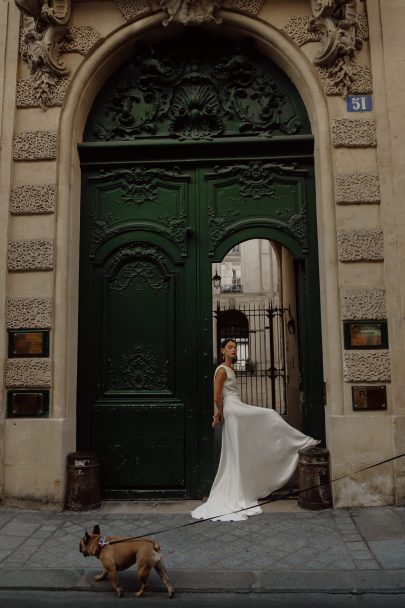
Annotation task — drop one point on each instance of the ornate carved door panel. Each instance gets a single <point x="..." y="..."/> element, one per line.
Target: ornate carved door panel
<point x="149" y="235"/>
<point x="273" y="199"/>
<point x="188" y="149"/>
<point x="137" y="313"/>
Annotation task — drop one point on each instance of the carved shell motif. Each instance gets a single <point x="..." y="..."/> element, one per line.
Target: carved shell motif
<point x="196" y="109"/>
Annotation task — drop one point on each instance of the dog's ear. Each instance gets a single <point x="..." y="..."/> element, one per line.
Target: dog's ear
<point x="96" y="529"/>
<point x="86" y="537"/>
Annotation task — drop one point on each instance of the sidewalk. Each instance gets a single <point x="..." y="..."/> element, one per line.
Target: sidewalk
<point x="284" y="549"/>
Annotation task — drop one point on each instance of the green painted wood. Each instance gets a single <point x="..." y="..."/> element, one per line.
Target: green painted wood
<point x="198" y="88"/>
<point x="137" y="303"/>
<point x="188" y="151"/>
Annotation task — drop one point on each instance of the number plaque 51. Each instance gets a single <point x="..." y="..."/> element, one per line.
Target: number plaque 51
<point x="359" y="103"/>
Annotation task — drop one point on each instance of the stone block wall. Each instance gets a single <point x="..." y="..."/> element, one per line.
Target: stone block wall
<point x="365" y="170"/>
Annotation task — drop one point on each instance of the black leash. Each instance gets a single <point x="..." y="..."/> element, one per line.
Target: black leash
<point x="291" y="494"/>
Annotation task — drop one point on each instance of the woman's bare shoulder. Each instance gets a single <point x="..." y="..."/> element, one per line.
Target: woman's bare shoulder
<point x="220" y="372"/>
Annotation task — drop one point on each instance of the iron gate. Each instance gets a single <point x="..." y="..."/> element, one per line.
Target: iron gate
<point x="259" y="332"/>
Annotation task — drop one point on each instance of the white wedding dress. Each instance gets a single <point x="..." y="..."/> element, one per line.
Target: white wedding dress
<point x="259" y="454"/>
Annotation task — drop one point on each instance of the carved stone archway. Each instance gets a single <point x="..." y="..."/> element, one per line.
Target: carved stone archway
<point x="85" y="85"/>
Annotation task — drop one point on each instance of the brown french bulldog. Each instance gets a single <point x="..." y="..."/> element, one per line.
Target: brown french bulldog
<point x="120" y="556"/>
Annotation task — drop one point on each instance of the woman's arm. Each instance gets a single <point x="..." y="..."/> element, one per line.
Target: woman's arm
<point x="219" y="380"/>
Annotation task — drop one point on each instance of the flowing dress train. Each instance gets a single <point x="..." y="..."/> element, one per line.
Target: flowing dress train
<point x="258" y="456"/>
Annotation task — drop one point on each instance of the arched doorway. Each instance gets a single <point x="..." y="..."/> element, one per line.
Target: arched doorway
<point x="254" y="291"/>
<point x="188" y="150"/>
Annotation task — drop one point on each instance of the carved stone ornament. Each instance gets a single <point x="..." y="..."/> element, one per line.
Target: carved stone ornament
<point x="32" y="199"/>
<point x="132" y="10"/>
<point x="190" y="12"/>
<point x="297" y="28"/>
<point x="362" y="81"/>
<point x="56" y="12"/>
<point x="186" y="12"/>
<point x="81" y="38"/>
<point x="370" y="366"/>
<point x="27" y="97"/>
<point x="360" y="245"/>
<point x="348" y="133"/>
<point x="29" y="313"/>
<point x="360" y="304"/>
<point x="27" y="373"/>
<point x="44" y="37"/>
<point x="30" y="255"/>
<point x="336" y="25"/>
<point x="251" y="7"/>
<point x="35" y="145"/>
<point x="357" y="188"/>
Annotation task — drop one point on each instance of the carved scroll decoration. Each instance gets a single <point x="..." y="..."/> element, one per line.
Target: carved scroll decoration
<point x="140" y="264"/>
<point x="44" y="38"/>
<point x="257" y="180"/>
<point x="139" y="187"/>
<point x="140" y="369"/>
<point x="219" y="225"/>
<point x="56" y="12"/>
<point x="336" y="25"/>
<point x="189" y="98"/>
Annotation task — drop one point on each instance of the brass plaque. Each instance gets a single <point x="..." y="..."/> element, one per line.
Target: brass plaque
<point x="34" y="343"/>
<point x="27" y="404"/>
<point x="365" y="334"/>
<point x="369" y="397"/>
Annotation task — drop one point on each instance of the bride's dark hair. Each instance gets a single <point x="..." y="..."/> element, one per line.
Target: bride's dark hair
<point x="225" y="342"/>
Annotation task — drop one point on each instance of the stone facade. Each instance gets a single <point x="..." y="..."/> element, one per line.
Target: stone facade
<point x="32" y="200"/>
<point x="27" y="373"/>
<point x="359" y="162"/>
<point x="357" y="304"/>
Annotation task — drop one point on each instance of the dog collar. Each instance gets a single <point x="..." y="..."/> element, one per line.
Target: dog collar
<point x="100" y="546"/>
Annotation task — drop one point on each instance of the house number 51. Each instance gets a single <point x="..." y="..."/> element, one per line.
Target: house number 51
<point x="359" y="103"/>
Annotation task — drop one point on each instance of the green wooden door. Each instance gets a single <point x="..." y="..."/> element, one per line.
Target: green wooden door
<point x="149" y="236"/>
<point x="190" y="148"/>
<point x="137" y="381"/>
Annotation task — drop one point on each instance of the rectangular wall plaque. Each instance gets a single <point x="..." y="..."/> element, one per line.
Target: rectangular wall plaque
<point x="369" y="397"/>
<point x="365" y="334"/>
<point x="359" y="103"/>
<point x="28" y="343"/>
<point x="28" y="404"/>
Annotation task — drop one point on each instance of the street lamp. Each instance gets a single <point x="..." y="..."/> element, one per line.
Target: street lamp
<point x="216" y="279"/>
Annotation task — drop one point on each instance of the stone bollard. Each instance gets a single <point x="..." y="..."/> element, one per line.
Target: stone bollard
<point x="313" y="470"/>
<point x="83" y="482"/>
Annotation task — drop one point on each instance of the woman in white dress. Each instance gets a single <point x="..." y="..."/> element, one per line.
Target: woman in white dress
<point x="259" y="449"/>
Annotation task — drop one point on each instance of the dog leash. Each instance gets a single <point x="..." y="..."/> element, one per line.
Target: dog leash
<point x="291" y="494"/>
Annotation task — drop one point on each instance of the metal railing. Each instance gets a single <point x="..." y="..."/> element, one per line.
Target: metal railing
<point x="261" y="368"/>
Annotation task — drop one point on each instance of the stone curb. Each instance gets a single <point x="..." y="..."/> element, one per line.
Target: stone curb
<point x="197" y="581"/>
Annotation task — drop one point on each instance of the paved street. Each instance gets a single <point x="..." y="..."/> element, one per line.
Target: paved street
<point x="284" y="550"/>
<point x="68" y="599"/>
